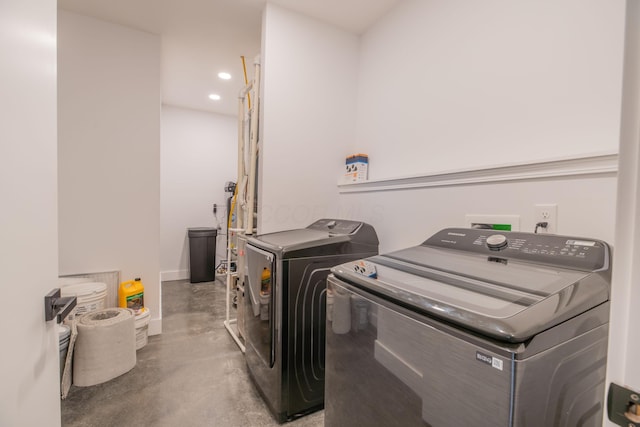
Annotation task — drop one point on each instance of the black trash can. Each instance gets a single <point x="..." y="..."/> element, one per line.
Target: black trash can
<point x="202" y="254"/>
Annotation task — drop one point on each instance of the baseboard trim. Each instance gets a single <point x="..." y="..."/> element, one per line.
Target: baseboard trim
<point x="155" y="326"/>
<point x="166" y="276"/>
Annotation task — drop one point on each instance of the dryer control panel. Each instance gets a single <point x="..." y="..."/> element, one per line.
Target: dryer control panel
<point x="570" y="252"/>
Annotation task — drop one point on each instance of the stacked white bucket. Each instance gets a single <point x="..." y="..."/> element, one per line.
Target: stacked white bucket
<point x="142" y="327"/>
<point x="64" y="335"/>
<point x="92" y="296"/>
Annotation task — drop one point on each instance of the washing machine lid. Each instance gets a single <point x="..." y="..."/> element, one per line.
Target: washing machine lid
<point x="509" y="294"/>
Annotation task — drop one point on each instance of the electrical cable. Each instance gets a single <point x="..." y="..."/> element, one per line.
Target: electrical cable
<point x="542" y="224"/>
<point x="215" y="217"/>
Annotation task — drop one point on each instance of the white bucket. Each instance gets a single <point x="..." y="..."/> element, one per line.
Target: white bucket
<point x="91" y="296"/>
<point x="142" y="327"/>
<point x="66" y="281"/>
<point x="64" y="335"/>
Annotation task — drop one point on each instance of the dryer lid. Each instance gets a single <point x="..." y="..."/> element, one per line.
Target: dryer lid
<point x="286" y="241"/>
<point x="322" y="232"/>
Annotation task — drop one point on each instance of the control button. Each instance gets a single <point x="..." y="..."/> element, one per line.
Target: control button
<point x="497" y="242"/>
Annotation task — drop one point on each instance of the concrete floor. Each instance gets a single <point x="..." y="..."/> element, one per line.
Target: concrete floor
<point x="193" y="374"/>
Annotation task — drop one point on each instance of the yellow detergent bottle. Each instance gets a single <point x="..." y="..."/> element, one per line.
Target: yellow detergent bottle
<point x="265" y="282"/>
<point x="131" y="295"/>
<point x="265" y="293"/>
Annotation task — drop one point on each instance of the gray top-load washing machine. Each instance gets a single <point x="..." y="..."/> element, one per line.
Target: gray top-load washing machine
<point x="285" y="308"/>
<point x="473" y="328"/>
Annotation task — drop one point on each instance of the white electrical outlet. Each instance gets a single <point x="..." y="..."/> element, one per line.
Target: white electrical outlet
<point x="546" y="213"/>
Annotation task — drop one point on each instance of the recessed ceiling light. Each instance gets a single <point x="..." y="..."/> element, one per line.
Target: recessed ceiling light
<point x="214" y="97"/>
<point x="224" y="76"/>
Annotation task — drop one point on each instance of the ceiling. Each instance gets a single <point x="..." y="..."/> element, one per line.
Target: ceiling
<point x="203" y="37"/>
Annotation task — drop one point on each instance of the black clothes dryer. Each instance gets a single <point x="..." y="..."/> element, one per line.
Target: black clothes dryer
<point x="285" y="308"/>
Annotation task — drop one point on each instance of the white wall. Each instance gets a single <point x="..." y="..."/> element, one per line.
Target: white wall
<point x="448" y="85"/>
<point x="109" y="152"/>
<point x="30" y="387"/>
<point x="309" y="81"/>
<point x="198" y="156"/>
<point x="487" y="74"/>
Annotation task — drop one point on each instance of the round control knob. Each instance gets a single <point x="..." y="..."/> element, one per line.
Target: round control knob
<point x="496" y="242"/>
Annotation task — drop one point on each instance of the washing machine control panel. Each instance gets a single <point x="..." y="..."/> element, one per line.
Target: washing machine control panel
<point x="554" y="249"/>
